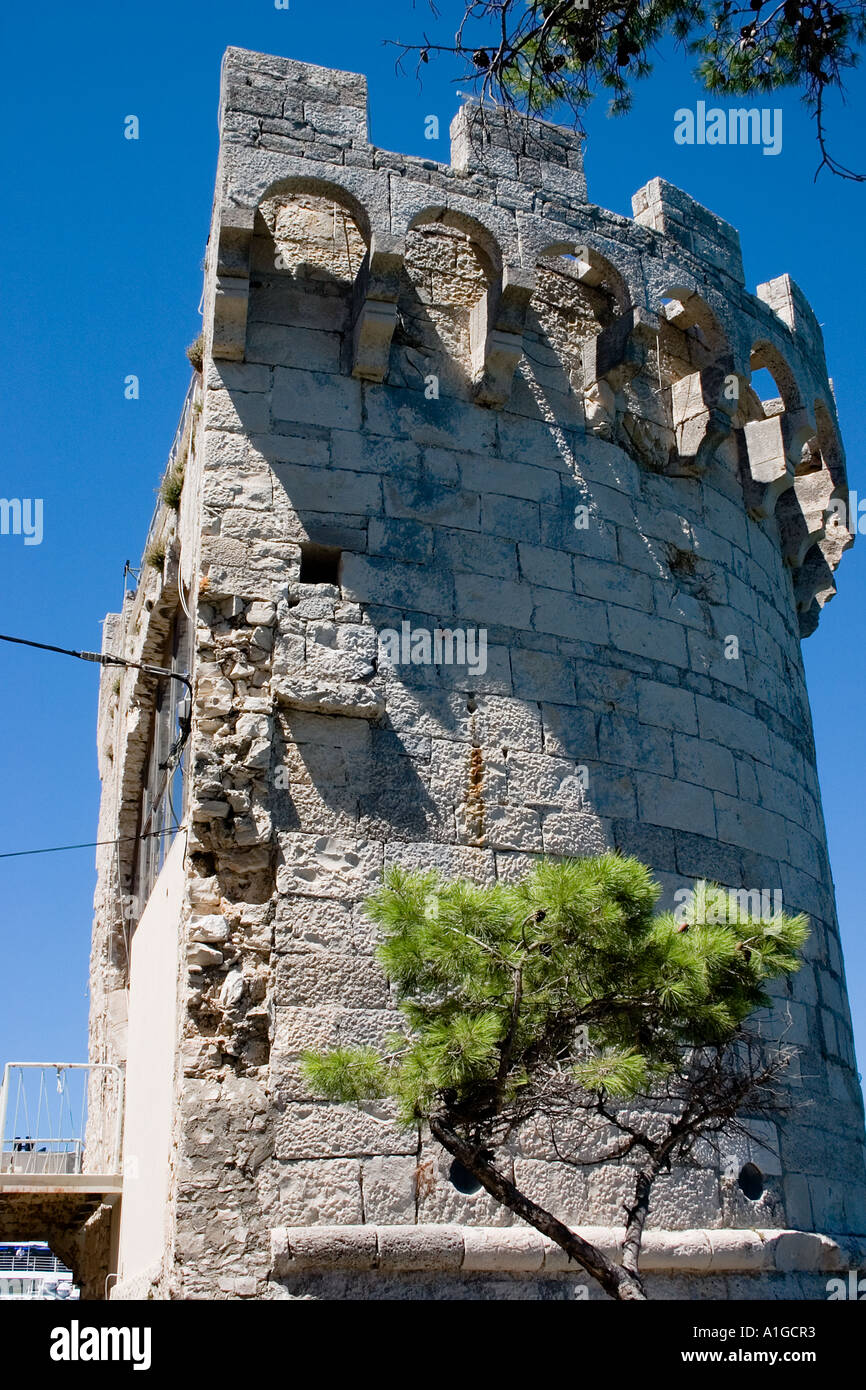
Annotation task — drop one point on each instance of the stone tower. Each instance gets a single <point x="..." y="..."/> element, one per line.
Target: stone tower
<point x="456" y="400"/>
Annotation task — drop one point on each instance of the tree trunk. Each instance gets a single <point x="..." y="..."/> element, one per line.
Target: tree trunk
<point x="616" y="1281"/>
<point x="637" y="1215"/>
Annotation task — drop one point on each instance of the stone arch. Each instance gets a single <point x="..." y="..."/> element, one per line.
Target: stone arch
<point x="310" y="239"/>
<point x="781" y="445"/>
<point x="77" y="1231"/>
<point x="450" y="279"/>
<point x="578" y="295"/>
<point x="767" y="357"/>
<point x="690" y="329"/>
<point x="698" y="383"/>
<point x="472" y="228"/>
<point x="582" y="262"/>
<point x="830" y="446"/>
<point x="308" y="225"/>
<point x="321" y="187"/>
<point x="675" y="398"/>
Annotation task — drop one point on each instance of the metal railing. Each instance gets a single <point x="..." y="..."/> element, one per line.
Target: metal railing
<point x="43" y="1116"/>
<point x="30" y="1257"/>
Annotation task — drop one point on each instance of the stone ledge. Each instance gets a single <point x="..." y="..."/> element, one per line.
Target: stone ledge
<point x="489" y="1249"/>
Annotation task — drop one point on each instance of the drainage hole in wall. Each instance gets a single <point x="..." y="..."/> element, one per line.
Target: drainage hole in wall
<point x="462" y="1179"/>
<point x="751" y="1181"/>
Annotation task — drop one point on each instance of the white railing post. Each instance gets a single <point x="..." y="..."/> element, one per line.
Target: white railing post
<point x="4" y="1100"/>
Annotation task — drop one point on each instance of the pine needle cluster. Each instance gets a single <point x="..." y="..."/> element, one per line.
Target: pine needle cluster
<point x="513" y="996"/>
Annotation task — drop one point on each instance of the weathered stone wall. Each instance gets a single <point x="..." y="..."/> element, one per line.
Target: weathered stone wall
<point x="513" y="411"/>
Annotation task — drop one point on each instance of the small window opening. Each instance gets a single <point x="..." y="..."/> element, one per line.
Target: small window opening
<point x="751" y="1181"/>
<point x="320" y="564"/>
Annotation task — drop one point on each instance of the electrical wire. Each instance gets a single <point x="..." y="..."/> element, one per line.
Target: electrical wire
<point x="102" y="659"/>
<point x="93" y="844"/>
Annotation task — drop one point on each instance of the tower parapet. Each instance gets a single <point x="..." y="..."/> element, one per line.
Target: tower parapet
<point x="461" y="399"/>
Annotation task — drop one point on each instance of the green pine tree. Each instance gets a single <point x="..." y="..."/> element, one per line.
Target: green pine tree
<point x="567" y="996"/>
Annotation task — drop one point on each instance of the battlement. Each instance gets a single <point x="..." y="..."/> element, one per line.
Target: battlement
<point x="661" y="360"/>
<point x="673" y="213"/>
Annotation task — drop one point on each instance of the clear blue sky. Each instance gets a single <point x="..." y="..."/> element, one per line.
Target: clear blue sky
<point x="101" y="245"/>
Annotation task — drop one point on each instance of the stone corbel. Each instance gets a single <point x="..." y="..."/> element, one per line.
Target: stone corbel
<point x="813" y="581"/>
<point x="777" y="449"/>
<point x="769" y="465"/>
<point x="610" y="359"/>
<point x="802" y="514"/>
<point x="814" y="540"/>
<point x="701" y="414"/>
<point x="232" y="285"/>
<point x="619" y="352"/>
<point x="839" y="527"/>
<point x="375" y="295"/>
<point x="496" y="335"/>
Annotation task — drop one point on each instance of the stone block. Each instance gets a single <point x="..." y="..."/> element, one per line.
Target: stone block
<point x="540" y="676"/>
<point x="327" y="866"/>
<point x="740" y="823"/>
<point x="445" y="423"/>
<point x="375" y="579"/>
<point x="684" y="1199"/>
<point x="401" y="540"/>
<point x="741" y="733"/>
<point x="484" y="600"/>
<point x="323" y="1247"/>
<point x="476" y="554"/>
<point x="646" y="635"/>
<point x="679" y="805"/>
<point x="482" y="474"/>
<point x="545" y="567"/>
<point x="327" y="1192"/>
<point x="432" y="502"/>
<point x="239" y="411"/>
<point x="314" y="979"/>
<point x="389" y="1187"/>
<point x="564" y="615"/>
<point x="316" y="398"/>
<point x="321" y="1027"/>
<point x="308" y="489"/>
<point x="485" y="1251"/>
<point x="707" y="764"/>
<point x="513" y="518"/>
<point x="628" y="743"/>
<point x="573" y="834"/>
<point x="611" y="792"/>
<point x="504" y="723"/>
<point x="309" y="349"/>
<point x="570" y="732"/>
<point x="336" y="1131"/>
<point x="613" y="584"/>
<point x="420" y="1247"/>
